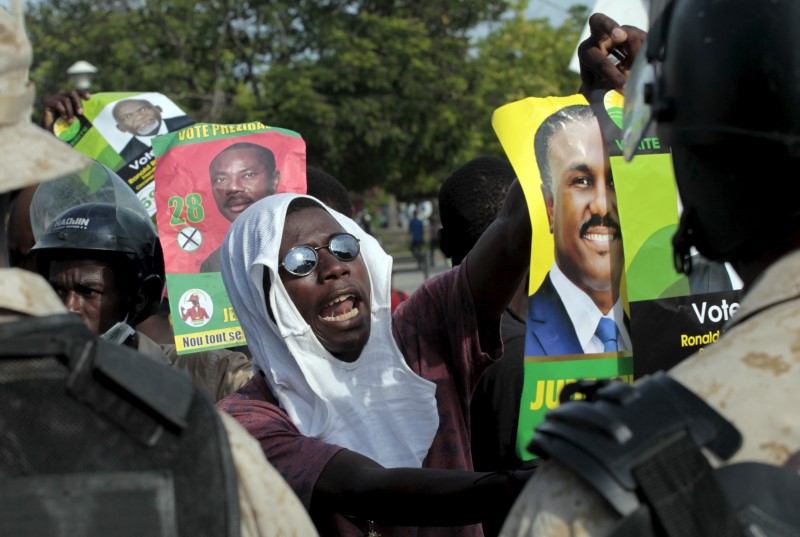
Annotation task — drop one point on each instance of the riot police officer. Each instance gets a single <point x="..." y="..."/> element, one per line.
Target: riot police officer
<point x="98" y="248"/>
<point x="96" y="438"/>
<point x="725" y="93"/>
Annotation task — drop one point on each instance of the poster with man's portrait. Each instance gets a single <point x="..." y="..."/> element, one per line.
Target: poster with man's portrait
<point x="673" y="315"/>
<point x="206" y="176"/>
<point x="578" y="325"/>
<point x="117" y="129"/>
<point x="602" y="279"/>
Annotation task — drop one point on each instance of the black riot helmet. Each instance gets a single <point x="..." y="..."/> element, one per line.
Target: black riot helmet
<point x="721" y="79"/>
<point x="105" y="221"/>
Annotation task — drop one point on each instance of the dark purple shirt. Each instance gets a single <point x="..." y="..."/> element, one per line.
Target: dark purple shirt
<point x="436" y="330"/>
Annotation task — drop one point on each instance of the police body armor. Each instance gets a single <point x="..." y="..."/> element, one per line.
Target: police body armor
<point x="97" y="440"/>
<point x="641" y="448"/>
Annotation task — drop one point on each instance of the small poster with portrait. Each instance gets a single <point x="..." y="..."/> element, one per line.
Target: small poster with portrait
<point x="117" y="129"/>
<point x="206" y="176"/>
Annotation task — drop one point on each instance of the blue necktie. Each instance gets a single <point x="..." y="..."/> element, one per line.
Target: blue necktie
<point x="607" y="333"/>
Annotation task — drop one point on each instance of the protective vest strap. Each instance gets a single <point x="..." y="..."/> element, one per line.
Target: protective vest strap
<point x="764" y="497"/>
<point x="642" y="443"/>
<point x="155" y="396"/>
<point x="680" y="488"/>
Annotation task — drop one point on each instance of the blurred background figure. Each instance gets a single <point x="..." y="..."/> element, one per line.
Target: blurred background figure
<point x="469" y="201"/>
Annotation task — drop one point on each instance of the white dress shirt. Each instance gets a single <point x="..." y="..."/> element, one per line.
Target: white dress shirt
<point x="585" y="315"/>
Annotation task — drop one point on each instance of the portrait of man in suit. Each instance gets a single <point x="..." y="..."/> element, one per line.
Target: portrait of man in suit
<point x="142" y="120"/>
<point x="241" y="174"/>
<point x="577" y="309"/>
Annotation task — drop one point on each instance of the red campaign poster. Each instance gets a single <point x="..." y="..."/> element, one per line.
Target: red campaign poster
<point x="206" y="175"/>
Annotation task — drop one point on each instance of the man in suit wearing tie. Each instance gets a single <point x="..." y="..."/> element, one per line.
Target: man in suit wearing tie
<point x="577" y="309"/>
<point x="241" y="174"/>
<point x="143" y="121"/>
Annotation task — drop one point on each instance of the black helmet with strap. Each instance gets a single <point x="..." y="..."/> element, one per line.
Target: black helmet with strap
<point x="103" y="219"/>
<point x="723" y="86"/>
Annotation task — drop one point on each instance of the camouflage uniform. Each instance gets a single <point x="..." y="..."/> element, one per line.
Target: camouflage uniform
<point x="746" y="376"/>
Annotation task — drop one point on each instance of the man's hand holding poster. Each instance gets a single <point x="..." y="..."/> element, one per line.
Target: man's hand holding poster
<point x="117" y="129"/>
<point x="206" y="176"/>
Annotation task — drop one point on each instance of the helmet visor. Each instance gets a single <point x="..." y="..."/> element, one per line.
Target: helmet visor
<point x="642" y="85"/>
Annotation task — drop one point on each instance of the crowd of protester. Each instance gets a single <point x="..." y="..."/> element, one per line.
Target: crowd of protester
<point x="354" y="409"/>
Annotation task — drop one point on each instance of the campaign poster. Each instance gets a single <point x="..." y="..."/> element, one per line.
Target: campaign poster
<point x="602" y="228"/>
<point x="117" y="129"/>
<point x="672" y="315"/>
<point x="206" y="175"/>
<point x="578" y="324"/>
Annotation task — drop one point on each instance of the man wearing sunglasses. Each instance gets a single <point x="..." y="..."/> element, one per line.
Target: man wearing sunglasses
<point x="366" y="413"/>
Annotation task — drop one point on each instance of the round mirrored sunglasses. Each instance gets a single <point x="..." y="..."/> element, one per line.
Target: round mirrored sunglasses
<point x="302" y="260"/>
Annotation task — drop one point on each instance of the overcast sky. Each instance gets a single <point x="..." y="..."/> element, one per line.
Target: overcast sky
<point x="555" y="10"/>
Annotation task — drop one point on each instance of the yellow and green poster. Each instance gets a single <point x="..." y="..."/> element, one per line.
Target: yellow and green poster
<point x="117" y="129"/>
<point x="601" y="257"/>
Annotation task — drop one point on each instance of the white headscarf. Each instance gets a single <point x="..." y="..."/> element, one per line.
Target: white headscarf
<point x="376" y="405"/>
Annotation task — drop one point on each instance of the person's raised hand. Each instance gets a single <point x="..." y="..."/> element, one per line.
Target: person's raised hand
<point x="64" y="105"/>
<point x="599" y="69"/>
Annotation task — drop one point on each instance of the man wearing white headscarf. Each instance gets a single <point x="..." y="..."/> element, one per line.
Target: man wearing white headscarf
<point x="367" y="416"/>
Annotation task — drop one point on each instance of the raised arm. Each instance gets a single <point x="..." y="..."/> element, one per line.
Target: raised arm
<point x="499" y="260"/>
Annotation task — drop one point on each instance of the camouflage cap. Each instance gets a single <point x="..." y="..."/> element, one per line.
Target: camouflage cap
<point x="28" y="154"/>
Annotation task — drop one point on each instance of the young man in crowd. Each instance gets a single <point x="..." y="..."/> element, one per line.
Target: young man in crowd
<point x="494" y="409"/>
<point x="105" y="262"/>
<point x="367" y="415"/>
<point x="465" y="216"/>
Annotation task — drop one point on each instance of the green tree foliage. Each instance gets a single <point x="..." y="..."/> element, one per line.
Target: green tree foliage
<point x="526" y="58"/>
<point x="384" y="103"/>
<point x="198" y="53"/>
<point x="389" y="93"/>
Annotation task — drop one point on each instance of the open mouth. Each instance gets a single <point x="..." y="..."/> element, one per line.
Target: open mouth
<point x="600" y="237"/>
<point x="342" y="308"/>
